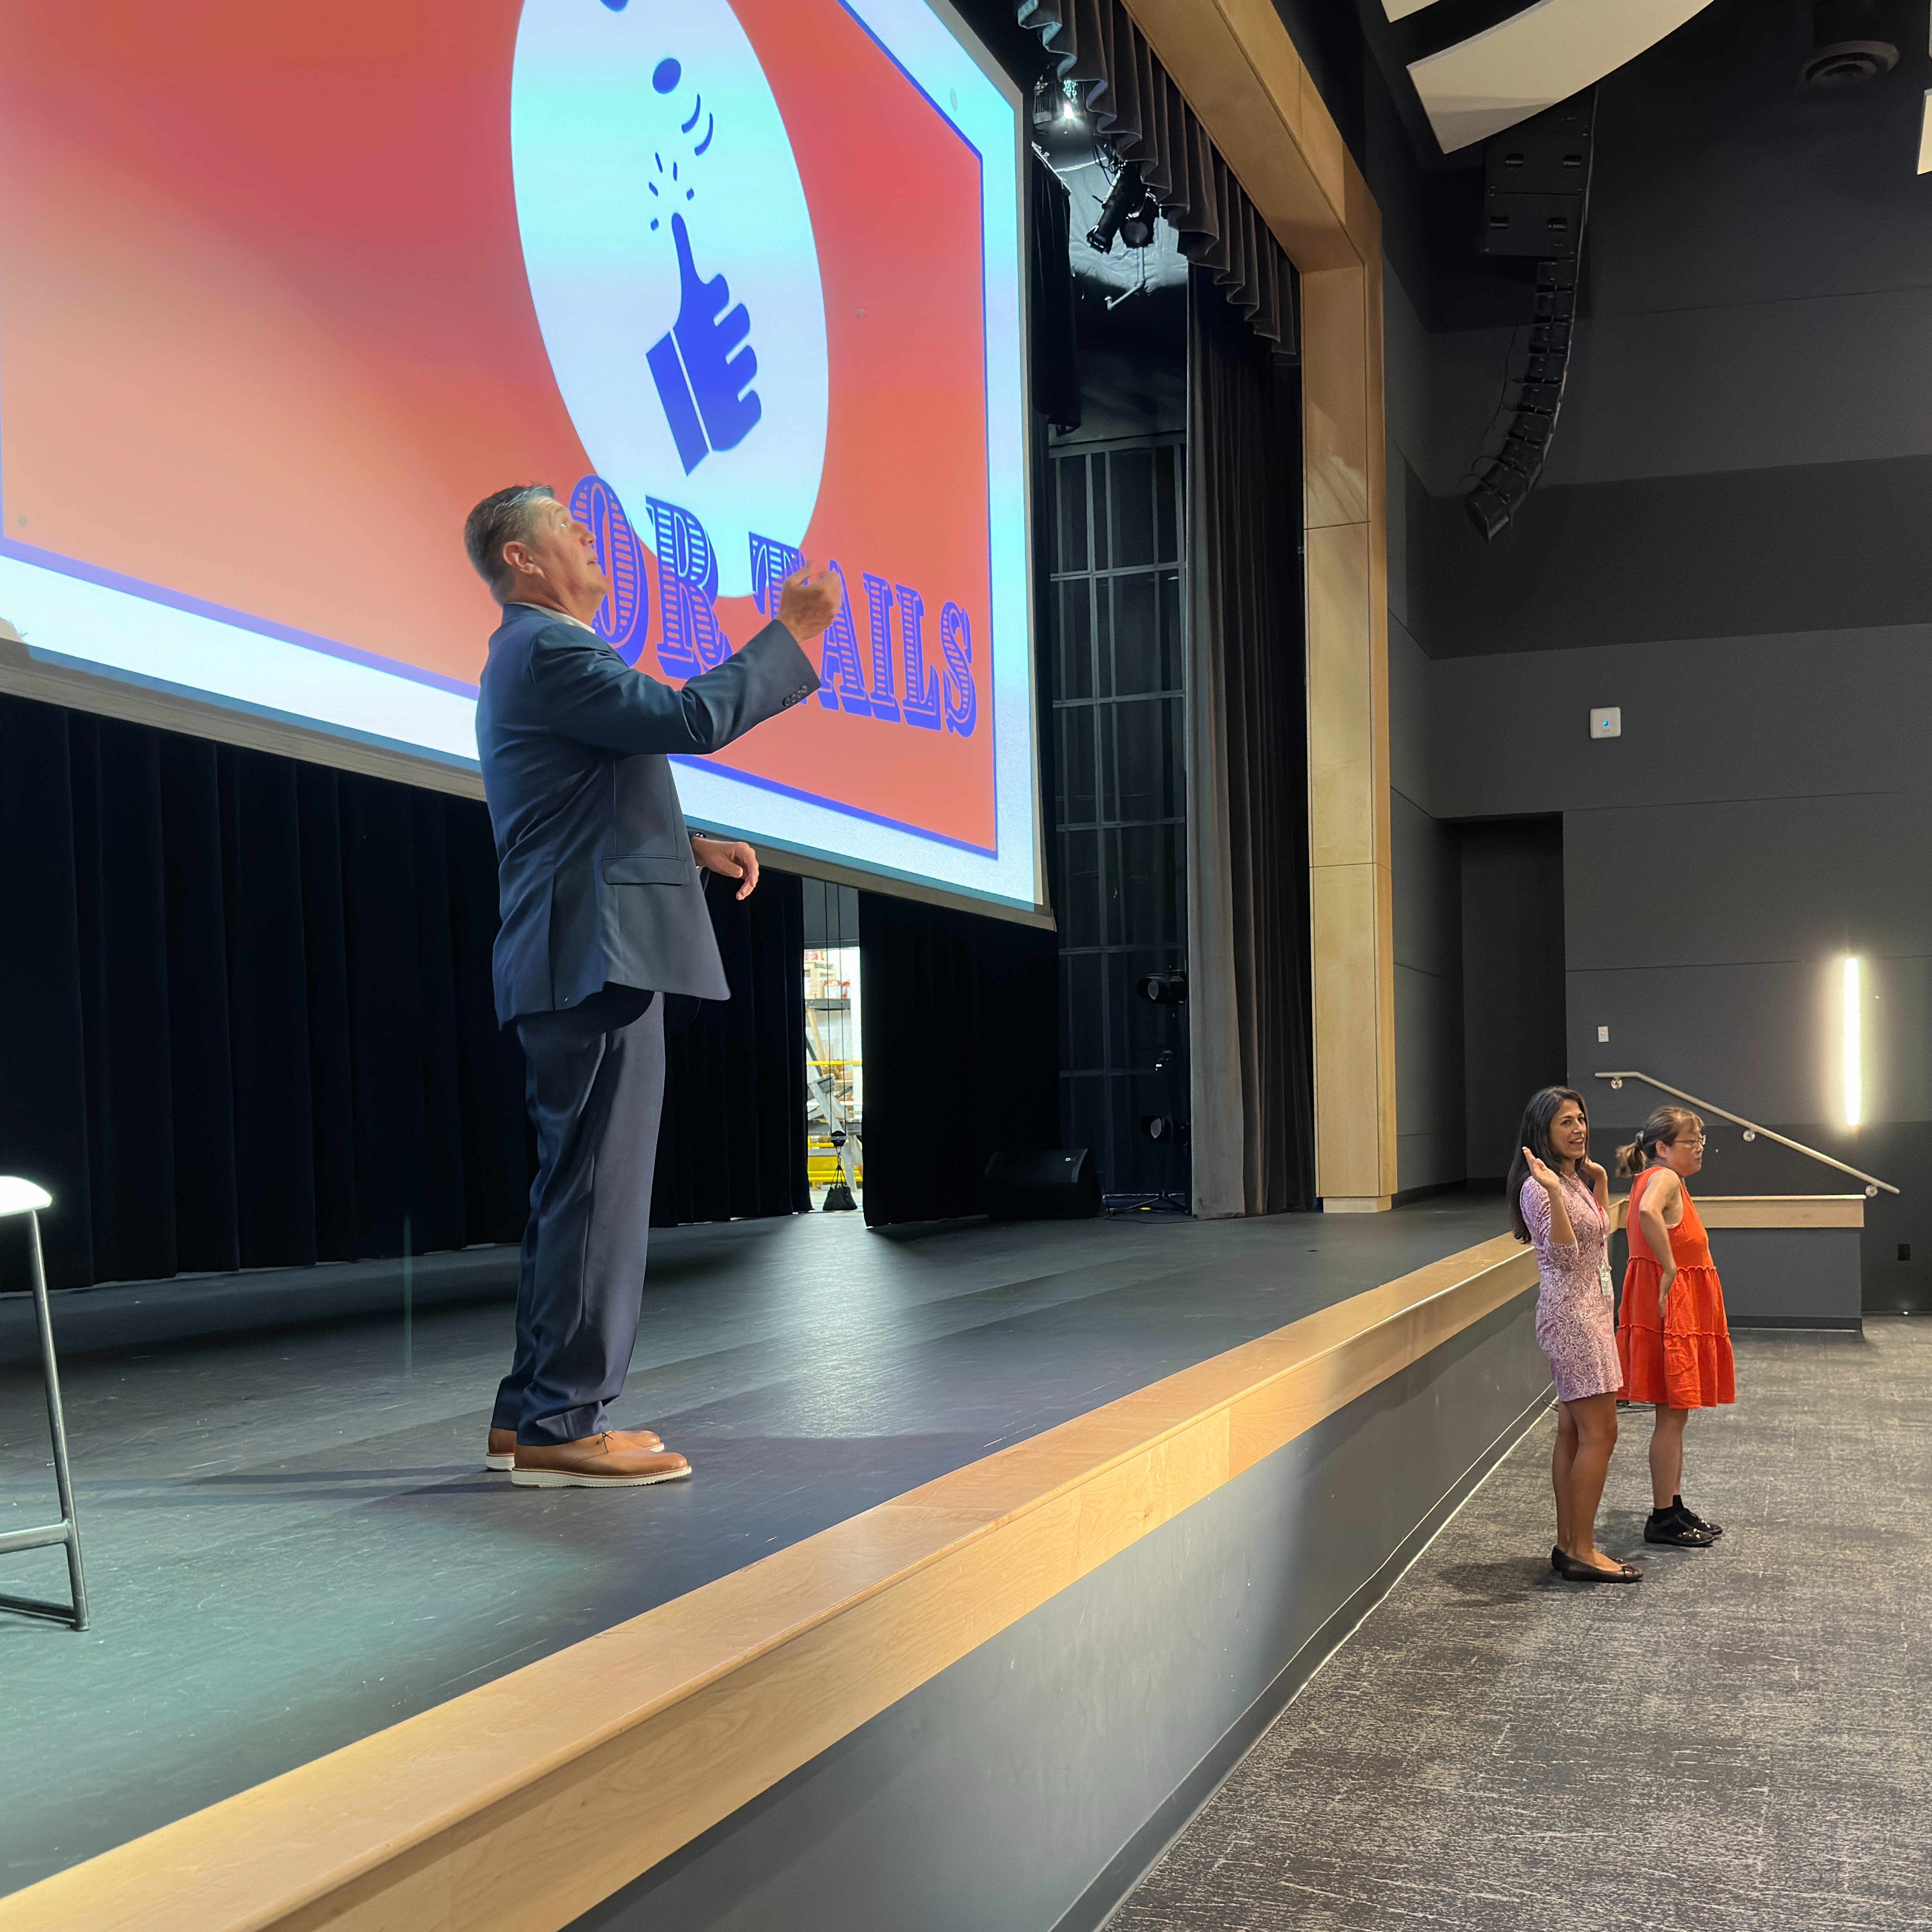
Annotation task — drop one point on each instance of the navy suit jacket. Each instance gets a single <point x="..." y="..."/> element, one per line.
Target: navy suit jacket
<point x="594" y="866"/>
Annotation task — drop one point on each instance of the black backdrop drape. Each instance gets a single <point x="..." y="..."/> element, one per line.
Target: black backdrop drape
<point x="1054" y="367"/>
<point x="733" y="1143"/>
<point x="249" y="1020"/>
<point x="962" y="1052"/>
<point x="1254" y="1139"/>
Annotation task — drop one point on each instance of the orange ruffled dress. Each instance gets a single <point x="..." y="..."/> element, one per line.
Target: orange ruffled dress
<point x="1684" y="1361"/>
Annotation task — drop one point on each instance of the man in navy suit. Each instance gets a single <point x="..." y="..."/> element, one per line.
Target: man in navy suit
<point x="604" y="914"/>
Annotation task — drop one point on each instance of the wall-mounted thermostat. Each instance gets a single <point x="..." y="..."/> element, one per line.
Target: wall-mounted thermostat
<point x="1606" y="721"/>
<point x="1603" y="1036"/>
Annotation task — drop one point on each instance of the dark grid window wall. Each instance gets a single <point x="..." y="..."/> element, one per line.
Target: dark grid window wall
<point x="1120" y="723"/>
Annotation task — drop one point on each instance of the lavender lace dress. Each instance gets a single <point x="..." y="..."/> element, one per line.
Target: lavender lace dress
<point x="1576" y="1314"/>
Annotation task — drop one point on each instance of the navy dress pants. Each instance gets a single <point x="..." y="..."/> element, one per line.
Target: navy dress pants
<point x="596" y="1089"/>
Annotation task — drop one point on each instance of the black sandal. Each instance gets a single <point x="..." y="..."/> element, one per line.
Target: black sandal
<point x="1574" y="1572"/>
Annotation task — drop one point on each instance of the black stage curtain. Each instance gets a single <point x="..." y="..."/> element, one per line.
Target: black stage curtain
<point x="1054" y="335"/>
<point x="733" y="1143"/>
<point x="1249" y="651"/>
<point x="249" y="1020"/>
<point x="1136" y="105"/>
<point x="962" y="1053"/>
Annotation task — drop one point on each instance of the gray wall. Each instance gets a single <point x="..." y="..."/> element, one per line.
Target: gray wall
<point x="1027" y="1786"/>
<point x="1764" y="814"/>
<point x="1429" y="1098"/>
<point x="1729" y="545"/>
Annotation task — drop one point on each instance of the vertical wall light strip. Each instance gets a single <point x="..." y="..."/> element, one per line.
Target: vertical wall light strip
<point x="1925" y="136"/>
<point x="1855" y="1085"/>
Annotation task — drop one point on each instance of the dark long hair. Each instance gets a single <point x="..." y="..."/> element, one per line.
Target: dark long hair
<point x="1544" y="1106"/>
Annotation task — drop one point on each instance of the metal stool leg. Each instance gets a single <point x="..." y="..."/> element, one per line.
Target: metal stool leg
<point x="68" y="1530"/>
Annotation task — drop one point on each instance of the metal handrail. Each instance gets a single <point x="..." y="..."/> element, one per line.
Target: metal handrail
<point x="1752" y="1130"/>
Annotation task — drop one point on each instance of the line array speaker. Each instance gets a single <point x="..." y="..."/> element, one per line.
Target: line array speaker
<point x="1536" y="199"/>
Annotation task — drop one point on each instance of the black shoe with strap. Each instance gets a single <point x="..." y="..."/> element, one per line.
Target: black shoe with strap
<point x="1666" y="1526"/>
<point x="1713" y="1530"/>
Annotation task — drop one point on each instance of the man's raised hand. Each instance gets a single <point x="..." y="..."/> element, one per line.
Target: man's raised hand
<point x="807" y="604"/>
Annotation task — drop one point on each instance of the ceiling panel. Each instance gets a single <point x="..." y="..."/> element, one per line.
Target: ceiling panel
<point x="1534" y="59"/>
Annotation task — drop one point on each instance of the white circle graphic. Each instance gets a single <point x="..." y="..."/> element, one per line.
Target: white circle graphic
<point x="671" y="258"/>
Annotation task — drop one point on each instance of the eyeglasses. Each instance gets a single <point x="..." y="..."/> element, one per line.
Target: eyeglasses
<point x="1686" y="1140"/>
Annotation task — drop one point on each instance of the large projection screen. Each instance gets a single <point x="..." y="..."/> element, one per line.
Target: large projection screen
<point x="284" y="289"/>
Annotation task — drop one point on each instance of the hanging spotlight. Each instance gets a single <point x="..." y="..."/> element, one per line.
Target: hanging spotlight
<point x="1128" y="211"/>
<point x="1137" y="228"/>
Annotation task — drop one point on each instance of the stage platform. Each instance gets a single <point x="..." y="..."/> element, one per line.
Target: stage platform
<point x="291" y="1544"/>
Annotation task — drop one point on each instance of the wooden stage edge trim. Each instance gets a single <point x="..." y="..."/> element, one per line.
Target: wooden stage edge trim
<point x="518" y="1806"/>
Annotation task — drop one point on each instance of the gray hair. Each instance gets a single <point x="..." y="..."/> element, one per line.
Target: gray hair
<point x="507" y="516"/>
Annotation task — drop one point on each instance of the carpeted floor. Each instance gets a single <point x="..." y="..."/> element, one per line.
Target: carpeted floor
<point x="1742" y="1741"/>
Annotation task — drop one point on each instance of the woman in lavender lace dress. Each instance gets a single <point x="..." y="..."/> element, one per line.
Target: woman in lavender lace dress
<point x="1560" y="1201"/>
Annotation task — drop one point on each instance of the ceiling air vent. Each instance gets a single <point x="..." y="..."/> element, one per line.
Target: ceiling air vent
<point x="1853" y="44"/>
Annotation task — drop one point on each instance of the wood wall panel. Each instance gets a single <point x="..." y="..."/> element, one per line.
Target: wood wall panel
<point x="1343" y="828"/>
<point x="1350" y="913"/>
<point x="1335" y="403"/>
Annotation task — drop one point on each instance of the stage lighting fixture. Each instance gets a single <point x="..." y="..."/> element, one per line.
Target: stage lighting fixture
<point x="1128" y="211"/>
<point x="1055" y="100"/>
<point x="1164" y="989"/>
<point x="1137" y="227"/>
<point x="1157" y="1127"/>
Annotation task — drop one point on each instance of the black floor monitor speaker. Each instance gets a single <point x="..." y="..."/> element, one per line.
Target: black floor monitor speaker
<point x="1043" y="1184"/>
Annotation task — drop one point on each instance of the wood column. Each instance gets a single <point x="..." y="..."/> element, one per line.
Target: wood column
<point x="1234" y="62"/>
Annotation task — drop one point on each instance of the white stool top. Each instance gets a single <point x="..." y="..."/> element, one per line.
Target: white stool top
<point x="21" y="1197"/>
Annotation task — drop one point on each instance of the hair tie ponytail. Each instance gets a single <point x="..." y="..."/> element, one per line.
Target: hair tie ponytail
<point x="1659" y="1131"/>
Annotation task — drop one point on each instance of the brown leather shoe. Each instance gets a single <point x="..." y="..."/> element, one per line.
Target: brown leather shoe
<point x="501" y="1453"/>
<point x="606" y="1462"/>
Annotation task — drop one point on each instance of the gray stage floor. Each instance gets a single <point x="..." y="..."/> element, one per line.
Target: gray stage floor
<point x="291" y="1542"/>
<point x="1740" y="1743"/>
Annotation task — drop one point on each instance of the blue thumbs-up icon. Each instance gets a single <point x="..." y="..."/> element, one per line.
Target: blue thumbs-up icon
<point x="703" y="366"/>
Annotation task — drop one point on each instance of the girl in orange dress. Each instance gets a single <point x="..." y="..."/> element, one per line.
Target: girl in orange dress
<point x="1671" y="1332"/>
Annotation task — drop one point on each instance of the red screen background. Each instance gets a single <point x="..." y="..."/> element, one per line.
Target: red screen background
<point x="265" y="335"/>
